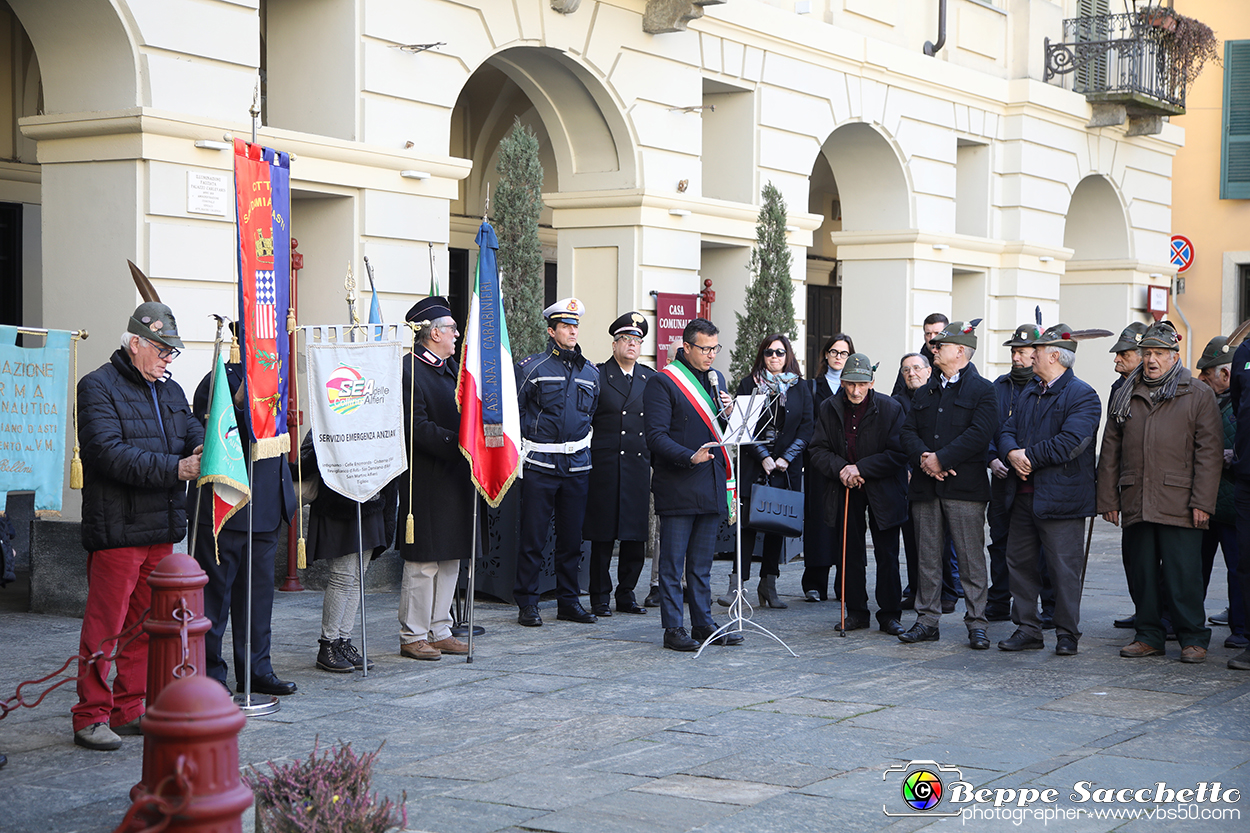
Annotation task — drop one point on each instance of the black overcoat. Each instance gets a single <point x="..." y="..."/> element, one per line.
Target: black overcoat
<point x="957" y="424"/>
<point x="879" y="456"/>
<point x="675" y="431"/>
<point x="792" y="438"/>
<point x="817" y="535"/>
<point x="442" y="505"/>
<point x="618" y="504"/>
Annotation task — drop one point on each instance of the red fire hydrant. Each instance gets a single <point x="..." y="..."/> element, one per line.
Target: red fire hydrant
<point x="175" y="651"/>
<point x="191" y="759"/>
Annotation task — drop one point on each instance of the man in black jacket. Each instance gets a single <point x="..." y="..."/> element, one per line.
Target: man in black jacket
<point x="946" y="438"/>
<point x="139" y="447"/>
<point x="856" y="446"/>
<point x="682" y="410"/>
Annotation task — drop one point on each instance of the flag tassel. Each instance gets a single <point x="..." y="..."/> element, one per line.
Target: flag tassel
<point x="302" y="560"/>
<point x="409" y="534"/>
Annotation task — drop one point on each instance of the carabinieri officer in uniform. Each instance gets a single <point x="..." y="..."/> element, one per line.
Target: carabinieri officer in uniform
<point x="557" y="390"/>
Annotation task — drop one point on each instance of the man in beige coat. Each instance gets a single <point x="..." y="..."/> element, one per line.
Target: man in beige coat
<point x="1159" y="472"/>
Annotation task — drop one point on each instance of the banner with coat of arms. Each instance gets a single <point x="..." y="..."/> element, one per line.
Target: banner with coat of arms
<point x="356" y="410"/>
<point x="263" y="211"/>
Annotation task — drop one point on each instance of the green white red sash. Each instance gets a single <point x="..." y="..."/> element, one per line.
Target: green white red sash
<point x="704" y="406"/>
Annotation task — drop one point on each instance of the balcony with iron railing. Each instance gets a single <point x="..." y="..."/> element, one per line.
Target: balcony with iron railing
<point x="1129" y="60"/>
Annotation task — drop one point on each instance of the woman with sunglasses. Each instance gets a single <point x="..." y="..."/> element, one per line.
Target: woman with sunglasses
<point x="786" y="427"/>
<point x="819" y="546"/>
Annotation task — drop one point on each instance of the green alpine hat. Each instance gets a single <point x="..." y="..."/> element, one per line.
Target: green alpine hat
<point x="1162" y="334"/>
<point x="155" y="322"/>
<point x="1024" y="336"/>
<point x="957" y="332"/>
<point x="858" y="368"/>
<point x="1059" y="335"/>
<point x="1130" y="338"/>
<point x="1216" y="353"/>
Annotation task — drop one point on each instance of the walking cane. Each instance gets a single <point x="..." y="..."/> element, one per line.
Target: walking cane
<point x="1089" y="537"/>
<point x="846" y="517"/>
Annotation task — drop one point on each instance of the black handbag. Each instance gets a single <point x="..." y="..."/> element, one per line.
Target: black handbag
<point x="773" y="509"/>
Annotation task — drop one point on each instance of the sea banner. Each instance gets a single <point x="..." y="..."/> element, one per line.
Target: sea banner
<point x="34" y="394"/>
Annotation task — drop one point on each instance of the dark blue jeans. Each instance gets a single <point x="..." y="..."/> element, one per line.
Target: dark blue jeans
<point x="687" y="543"/>
<point x="544" y="495"/>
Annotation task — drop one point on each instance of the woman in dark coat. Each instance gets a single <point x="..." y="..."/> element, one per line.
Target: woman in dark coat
<point x="786" y="427"/>
<point x="818" y="539"/>
<point x="332" y="536"/>
<point x="440" y="502"/>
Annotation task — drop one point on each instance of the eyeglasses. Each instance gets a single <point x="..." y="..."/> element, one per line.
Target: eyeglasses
<point x="913" y="368"/>
<point x="707" y="350"/>
<point x="777" y="351"/>
<point x="838" y="354"/>
<point x="632" y="341"/>
<point x="164" y="353"/>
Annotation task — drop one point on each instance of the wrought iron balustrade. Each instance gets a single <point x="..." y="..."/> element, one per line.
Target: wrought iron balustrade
<point x="1120" y="58"/>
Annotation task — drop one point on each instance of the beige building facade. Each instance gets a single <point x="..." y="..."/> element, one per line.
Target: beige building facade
<point x="959" y="182"/>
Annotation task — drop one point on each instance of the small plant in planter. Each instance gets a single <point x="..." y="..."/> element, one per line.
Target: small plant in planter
<point x="1194" y="42"/>
<point x="326" y="793"/>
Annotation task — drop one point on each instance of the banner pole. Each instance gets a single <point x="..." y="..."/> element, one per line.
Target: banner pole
<point x="212" y="383"/>
<point x="360" y="554"/>
<point x="472" y="571"/>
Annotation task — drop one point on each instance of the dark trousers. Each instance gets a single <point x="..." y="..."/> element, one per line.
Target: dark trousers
<point x="687" y="543"/>
<point x="889" y="590"/>
<point x="1242" y="503"/>
<point x="544" y="495"/>
<point x="1224" y="537"/>
<point x="628" y="569"/>
<point x="998" y="599"/>
<point x="770" y="565"/>
<point x="225" y="597"/>
<point x="1173" y="553"/>
<point x="1060" y="546"/>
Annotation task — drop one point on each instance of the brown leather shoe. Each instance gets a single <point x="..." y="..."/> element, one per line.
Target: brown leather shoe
<point x="1192" y="653"/>
<point x="419" y="650"/>
<point x="1141" y="649"/>
<point x="451" y="645"/>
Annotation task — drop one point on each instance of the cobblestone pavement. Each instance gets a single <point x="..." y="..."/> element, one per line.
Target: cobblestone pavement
<point x="577" y="728"/>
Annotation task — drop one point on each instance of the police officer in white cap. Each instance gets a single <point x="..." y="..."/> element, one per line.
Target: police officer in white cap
<point x="558" y="391"/>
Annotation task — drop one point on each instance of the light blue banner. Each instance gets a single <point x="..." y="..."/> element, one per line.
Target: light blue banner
<point x="34" y="413"/>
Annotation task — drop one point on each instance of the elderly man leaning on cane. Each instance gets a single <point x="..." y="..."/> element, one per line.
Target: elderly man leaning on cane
<point x="1158" y="474"/>
<point x="140" y="445"/>
<point x="1049" y="443"/>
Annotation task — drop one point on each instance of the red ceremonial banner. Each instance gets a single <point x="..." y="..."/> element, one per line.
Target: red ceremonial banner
<point x="258" y="328"/>
<point x="672" y="314"/>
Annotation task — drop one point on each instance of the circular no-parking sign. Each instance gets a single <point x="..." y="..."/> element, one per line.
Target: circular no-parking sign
<point x="1182" y="252"/>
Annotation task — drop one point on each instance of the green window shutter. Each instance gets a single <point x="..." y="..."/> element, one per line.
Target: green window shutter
<point x="1235" y="159"/>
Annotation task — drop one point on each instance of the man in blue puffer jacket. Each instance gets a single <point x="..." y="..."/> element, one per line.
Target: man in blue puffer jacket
<point x="1048" y="442"/>
<point x="140" y="446"/>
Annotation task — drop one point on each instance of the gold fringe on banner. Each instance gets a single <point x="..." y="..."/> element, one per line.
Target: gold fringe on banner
<point x="302" y="559"/>
<point x="234" y="350"/>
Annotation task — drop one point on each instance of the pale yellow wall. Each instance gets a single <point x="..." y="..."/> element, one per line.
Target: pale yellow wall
<point x="1215" y="226"/>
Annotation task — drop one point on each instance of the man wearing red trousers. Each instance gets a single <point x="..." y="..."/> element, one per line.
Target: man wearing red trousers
<point x="139" y="447"/>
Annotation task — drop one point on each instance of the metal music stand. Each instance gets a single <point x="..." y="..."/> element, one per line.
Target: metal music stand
<point x="740" y="609"/>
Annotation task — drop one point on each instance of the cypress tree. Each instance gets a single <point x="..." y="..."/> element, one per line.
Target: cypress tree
<point x="769" y="306"/>
<point x="518" y="201"/>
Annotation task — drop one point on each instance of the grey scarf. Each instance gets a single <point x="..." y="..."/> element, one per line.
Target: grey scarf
<point x="1162" y="389"/>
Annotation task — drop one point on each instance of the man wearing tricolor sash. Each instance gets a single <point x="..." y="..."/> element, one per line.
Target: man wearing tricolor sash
<point x="557" y="391"/>
<point x="692" y="479"/>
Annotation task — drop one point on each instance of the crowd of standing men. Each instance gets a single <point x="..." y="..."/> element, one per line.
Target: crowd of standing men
<point x="927" y="465"/>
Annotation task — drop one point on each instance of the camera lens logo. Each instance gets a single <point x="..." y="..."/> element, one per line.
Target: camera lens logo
<point x="922" y="790"/>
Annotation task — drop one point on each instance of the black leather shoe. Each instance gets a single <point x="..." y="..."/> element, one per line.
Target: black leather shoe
<point x="270" y="684"/>
<point x="1129" y="621"/>
<point x="977" y="640"/>
<point x="676" y="639"/>
<point x="653" y="598"/>
<point x="3" y="760"/>
<point x="920" y="633"/>
<point x="528" y="616"/>
<point x="604" y="609"/>
<point x="629" y="606"/>
<point x="994" y="614"/>
<point x="854" y="622"/>
<point x="948" y="605"/>
<point x="1048" y="622"/>
<point x="576" y="613"/>
<point x="908" y="603"/>
<point x="1020" y="641"/>
<point x="893" y="627"/>
<point x="702" y="632"/>
<point x="1065" y="646"/>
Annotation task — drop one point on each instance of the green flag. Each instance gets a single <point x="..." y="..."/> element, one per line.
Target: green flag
<point x="222" y="463"/>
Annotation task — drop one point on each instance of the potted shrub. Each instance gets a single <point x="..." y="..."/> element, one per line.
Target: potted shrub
<point x="327" y="793"/>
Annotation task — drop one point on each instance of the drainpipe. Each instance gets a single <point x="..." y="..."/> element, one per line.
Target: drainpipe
<point x="931" y="48"/>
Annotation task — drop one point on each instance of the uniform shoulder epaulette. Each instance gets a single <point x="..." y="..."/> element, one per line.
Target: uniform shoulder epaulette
<point x="531" y="359"/>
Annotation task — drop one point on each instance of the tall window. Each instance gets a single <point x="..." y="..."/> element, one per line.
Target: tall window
<point x="1235" y="159"/>
<point x="1243" y="285"/>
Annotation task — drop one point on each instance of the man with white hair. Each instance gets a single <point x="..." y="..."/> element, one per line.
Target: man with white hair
<point x="1048" y="442"/>
<point x="140" y="446"/>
